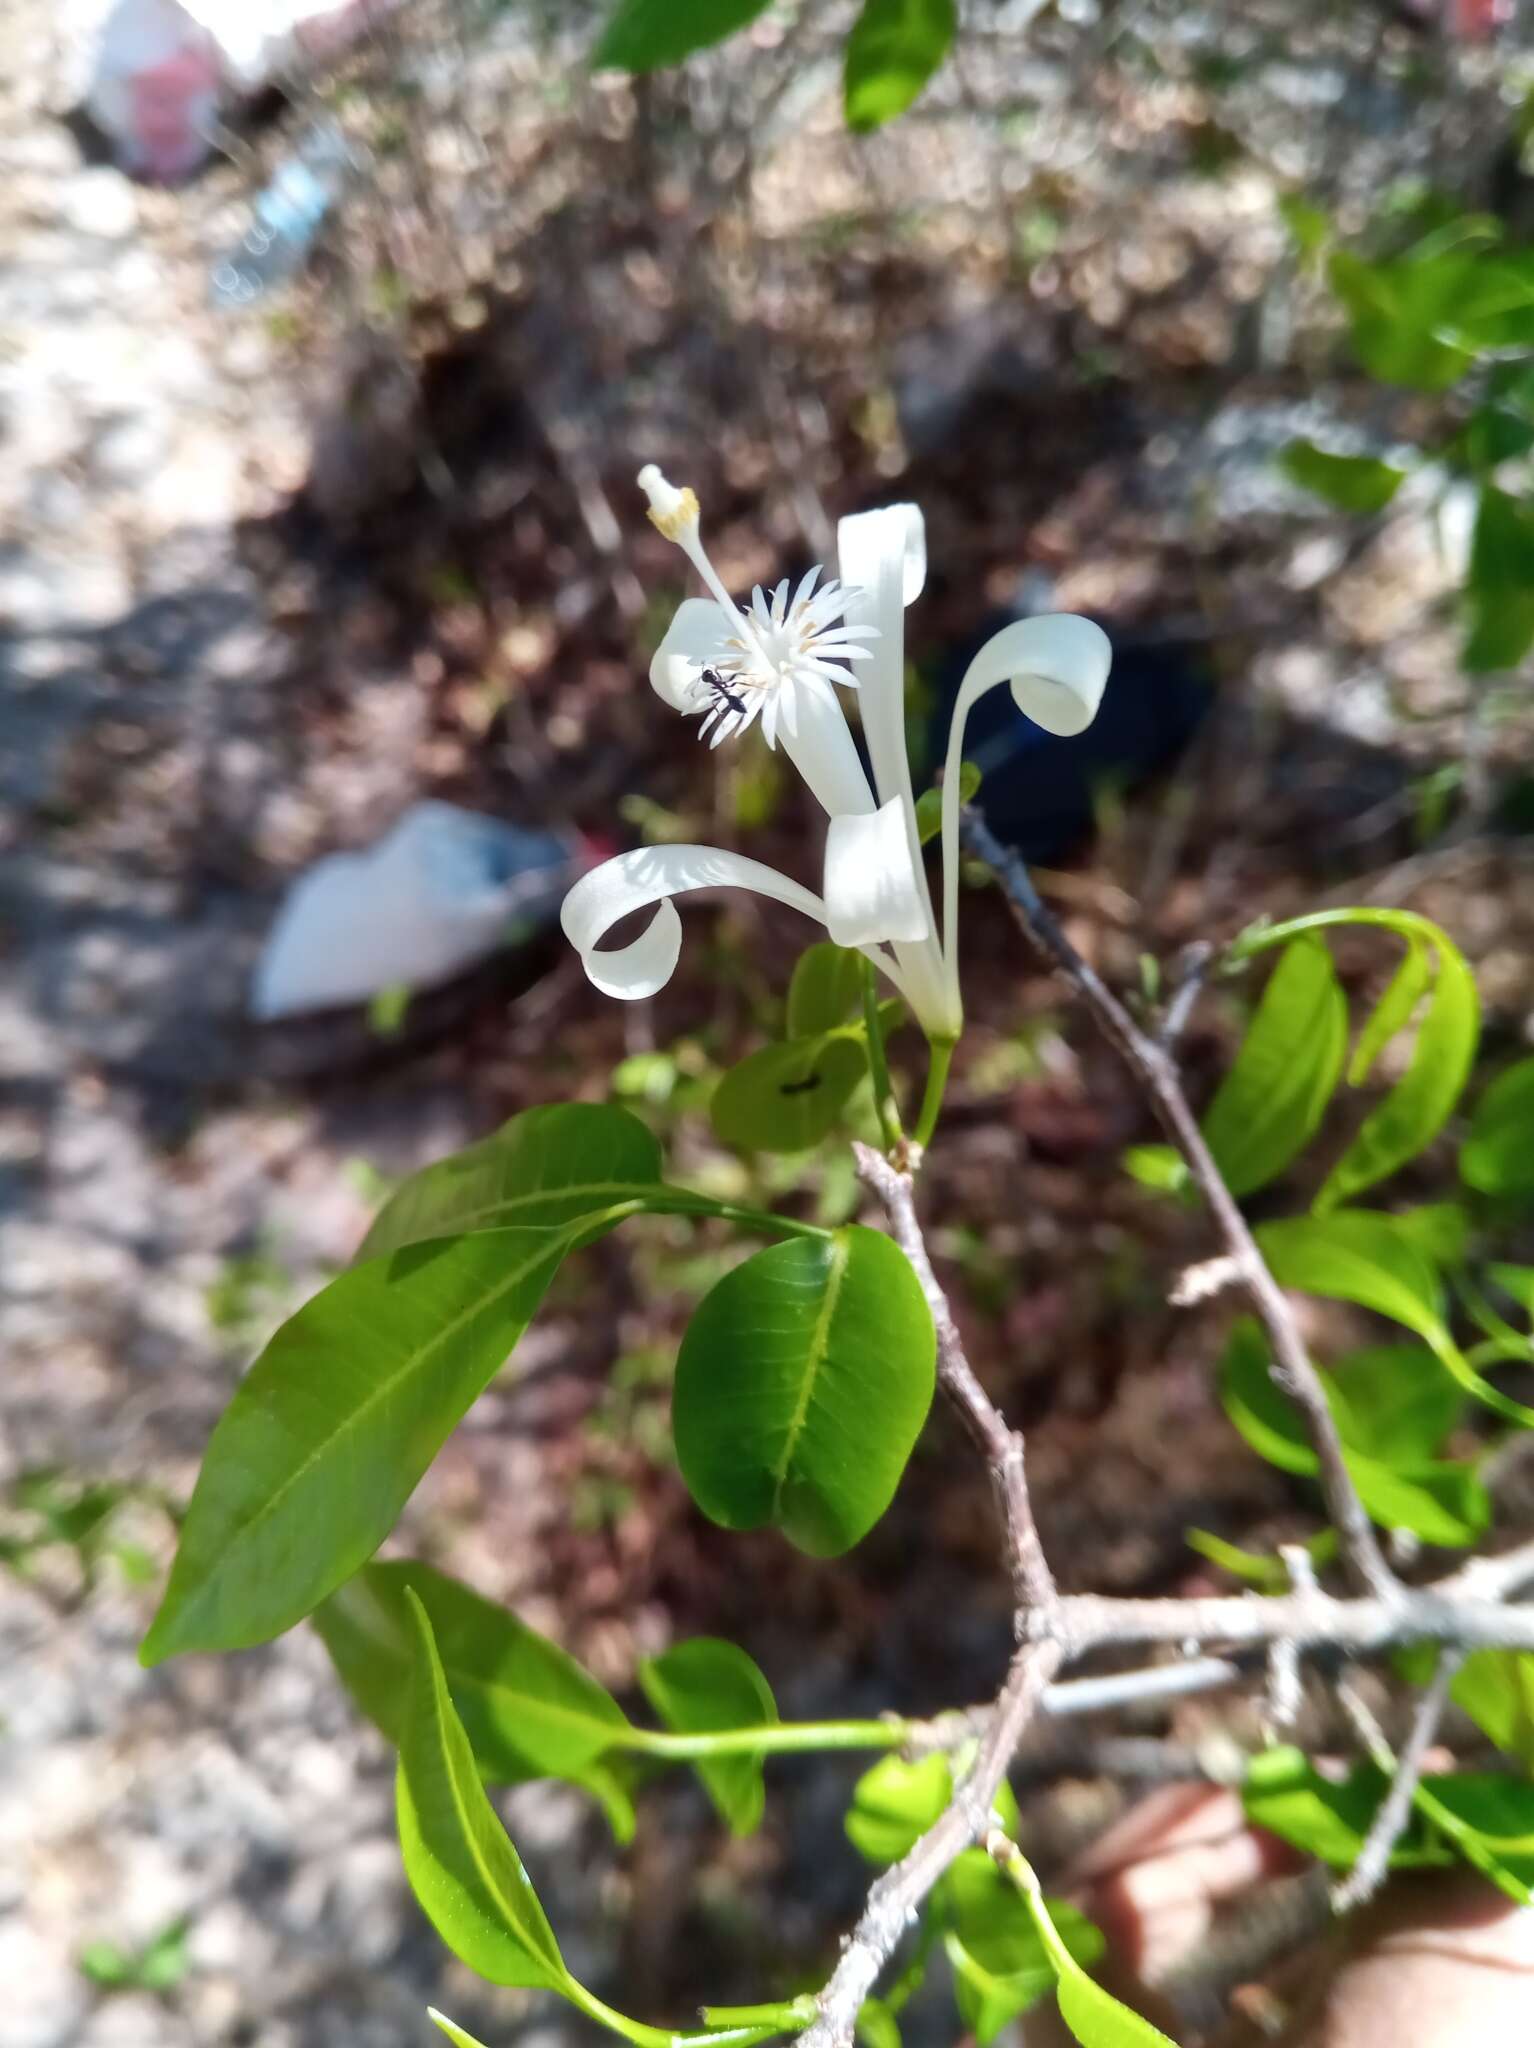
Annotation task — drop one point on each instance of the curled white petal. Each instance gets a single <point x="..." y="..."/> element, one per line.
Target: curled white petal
<point x="866" y="540"/>
<point x="653" y="875"/>
<point x="1057" y="666"/>
<point x="694" y="641"/>
<point x="873" y="892"/>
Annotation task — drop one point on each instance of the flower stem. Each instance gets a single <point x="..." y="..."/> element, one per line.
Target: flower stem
<point x="771" y="1738"/>
<point x="941" y="1051"/>
<point x="878" y="1065"/>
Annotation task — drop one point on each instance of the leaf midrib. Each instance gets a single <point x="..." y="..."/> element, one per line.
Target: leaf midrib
<point x="441" y="1699"/>
<point x="840" y="1254"/>
<point x="240" y="1538"/>
<point x="452" y="1226"/>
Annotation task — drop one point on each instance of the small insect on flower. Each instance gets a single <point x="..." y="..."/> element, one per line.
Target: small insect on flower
<point x="727" y="706"/>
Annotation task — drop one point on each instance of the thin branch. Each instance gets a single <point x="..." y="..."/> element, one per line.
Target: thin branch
<point x="896" y="1897"/>
<point x="1394" y="1815"/>
<point x="1156" y="1071"/>
<point x="1002" y="1448"/>
<point x="1451" y="1611"/>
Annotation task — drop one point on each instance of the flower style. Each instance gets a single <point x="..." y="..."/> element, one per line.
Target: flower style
<point x="779" y="662"/>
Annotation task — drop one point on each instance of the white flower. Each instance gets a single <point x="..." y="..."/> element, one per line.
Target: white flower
<point x="776" y="661"/>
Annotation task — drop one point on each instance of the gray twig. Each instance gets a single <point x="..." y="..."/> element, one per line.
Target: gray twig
<point x="1394" y="1815"/>
<point x="1156" y="1071"/>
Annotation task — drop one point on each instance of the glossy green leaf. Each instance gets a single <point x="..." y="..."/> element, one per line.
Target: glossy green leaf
<point x="1496" y="1689"/>
<point x="1271" y="1102"/>
<point x="333" y="1426"/>
<point x="1495" y="434"/>
<point x="894" y="48"/>
<point x="788" y="1097"/>
<point x="895" y="1803"/>
<point x="1353" y="483"/>
<point x="1440" y="1230"/>
<point x="1393" y="1012"/>
<point x="1094" y="2016"/>
<point x="704" y="1685"/>
<point x="929" y="805"/>
<point x="1490" y="1821"/>
<point x="643" y="35"/>
<point x="1358" y="1255"/>
<point x="528" y="1709"/>
<point x="1499" y="588"/>
<point x="1394" y="1402"/>
<point x="1441" y="1502"/>
<point x="1000" y="1963"/>
<point x="1328" y="1819"/>
<point x="546" y="1168"/>
<point x="1419" y="1104"/>
<point x="1497" y="1158"/>
<point x="825" y="990"/>
<point x="802" y="1385"/>
<point x="460" y="1862"/>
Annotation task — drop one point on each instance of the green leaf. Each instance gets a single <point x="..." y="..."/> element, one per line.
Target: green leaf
<point x="104" y="1963"/>
<point x="895" y="1803"/>
<point x="1262" y="1573"/>
<point x="460" y="1862"/>
<point x="1496" y="1689"/>
<point x="1094" y="2016"/>
<point x="1441" y="1230"/>
<point x="825" y="990"/>
<point x="642" y="35"/>
<point x="1442" y="1503"/>
<point x="1360" y="1256"/>
<point x="1285" y="1794"/>
<point x="929" y="805"/>
<point x="1517" y="1281"/>
<point x="1353" y="483"/>
<point x="333" y="1426"/>
<point x="1401" y="316"/>
<point x="1499" y="589"/>
<point x="877" y="2026"/>
<point x="528" y="1709"/>
<point x="704" y="1685"/>
<point x="1394" y="1402"/>
<point x="547" y="1168"/>
<point x="894" y="48"/>
<point x="1497" y="1158"/>
<point x="1490" y="1821"/>
<point x="1419" y="1104"/>
<point x="1161" y="1168"/>
<point x="802" y="1385"/>
<point x="455" y="2033"/>
<point x="1357" y="1255"/>
<point x="788" y="1097"/>
<point x="1393" y="1012"/>
<point x="1000" y="1963"/>
<point x="1270" y="1103"/>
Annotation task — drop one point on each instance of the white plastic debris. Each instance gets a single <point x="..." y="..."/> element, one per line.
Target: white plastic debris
<point x="162" y="71"/>
<point x="439" y="892"/>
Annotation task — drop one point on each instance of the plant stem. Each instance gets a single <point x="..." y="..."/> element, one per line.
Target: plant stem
<point x="773" y="1738"/>
<point x="669" y="1201"/>
<point x="941" y="1050"/>
<point x="878" y="1065"/>
<point x="788" y="2012"/>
